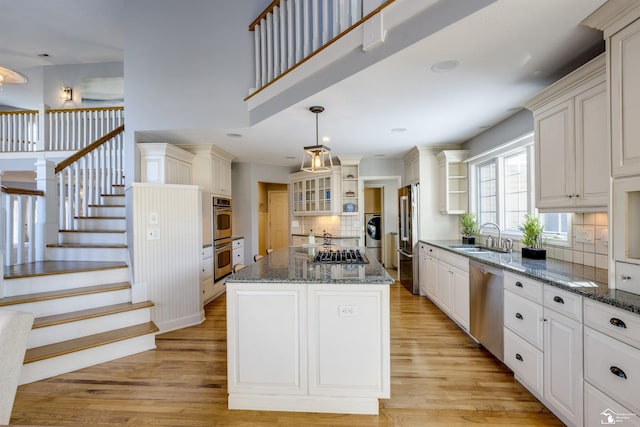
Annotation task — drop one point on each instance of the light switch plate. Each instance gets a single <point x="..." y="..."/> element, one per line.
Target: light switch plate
<point x="584" y="234"/>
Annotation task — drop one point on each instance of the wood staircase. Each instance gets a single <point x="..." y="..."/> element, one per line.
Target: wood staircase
<point x="81" y="297"/>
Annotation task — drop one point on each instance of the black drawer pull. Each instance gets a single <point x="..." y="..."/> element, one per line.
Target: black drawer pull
<point x="558" y="299"/>
<point x="618" y="372"/>
<point x="518" y="316"/>
<point x="518" y="357"/>
<point x="617" y="322"/>
<point x="519" y="284"/>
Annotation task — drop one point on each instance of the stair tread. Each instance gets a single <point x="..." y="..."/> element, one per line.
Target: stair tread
<point x="86" y="246"/>
<point x="45" y="268"/>
<point x="64" y="293"/>
<point x="100" y="217"/>
<point x="92" y="231"/>
<point x="65" y="347"/>
<point x="90" y="313"/>
<point x="116" y="195"/>
<point x="107" y="206"/>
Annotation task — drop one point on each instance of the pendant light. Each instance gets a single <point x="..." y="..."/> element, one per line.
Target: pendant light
<point x="317" y="158"/>
<point x="10" y="76"/>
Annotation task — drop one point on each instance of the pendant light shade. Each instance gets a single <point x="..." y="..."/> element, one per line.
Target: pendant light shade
<point x="10" y="76"/>
<point x="317" y="158"/>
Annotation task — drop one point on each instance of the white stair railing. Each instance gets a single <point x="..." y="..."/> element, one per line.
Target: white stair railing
<point x="288" y="32"/>
<point x="18" y="130"/>
<point x="19" y="207"/>
<point x="75" y="129"/>
<point x="91" y="172"/>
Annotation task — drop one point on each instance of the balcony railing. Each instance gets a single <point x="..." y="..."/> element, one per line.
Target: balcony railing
<point x="288" y="32"/>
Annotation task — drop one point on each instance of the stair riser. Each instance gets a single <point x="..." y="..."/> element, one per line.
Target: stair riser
<point x="90" y="238"/>
<point x="81" y="359"/>
<point x="74" y="303"/>
<point x="112" y="200"/>
<point x="100" y="224"/>
<point x="107" y="211"/>
<point x="86" y="254"/>
<point x="36" y="284"/>
<point x="68" y="331"/>
<point x="117" y="190"/>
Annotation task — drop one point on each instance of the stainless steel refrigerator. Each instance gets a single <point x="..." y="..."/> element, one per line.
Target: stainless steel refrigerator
<point x="408" y="204"/>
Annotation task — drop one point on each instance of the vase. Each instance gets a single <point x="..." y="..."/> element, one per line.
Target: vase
<point x="534" y="253"/>
<point x="469" y="240"/>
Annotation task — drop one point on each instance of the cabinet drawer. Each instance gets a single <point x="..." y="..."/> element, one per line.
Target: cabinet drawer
<point x="597" y="407"/>
<point x="612" y="321"/>
<point x="523" y="286"/>
<point x="563" y="302"/>
<point x="628" y="277"/>
<point x="525" y="360"/>
<point x="207" y="252"/>
<point x="524" y="317"/>
<point x="429" y="250"/>
<point x="607" y="362"/>
<point x="206" y="268"/>
<point x="237" y="244"/>
<point x="460" y="261"/>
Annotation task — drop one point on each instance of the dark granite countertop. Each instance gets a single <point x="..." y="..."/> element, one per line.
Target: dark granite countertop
<point x="588" y="281"/>
<point x="293" y="265"/>
<point x="319" y="236"/>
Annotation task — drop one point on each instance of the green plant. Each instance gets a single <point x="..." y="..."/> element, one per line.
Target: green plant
<point x="469" y="224"/>
<point x="532" y="230"/>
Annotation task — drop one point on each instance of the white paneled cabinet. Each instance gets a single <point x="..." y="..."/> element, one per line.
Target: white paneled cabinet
<point x="571" y="135"/>
<point x="206" y="274"/>
<point x="211" y="168"/>
<point x="454" y="182"/>
<point x="238" y="250"/>
<point x="452" y="289"/>
<point x="428" y="270"/>
<point x="162" y="163"/>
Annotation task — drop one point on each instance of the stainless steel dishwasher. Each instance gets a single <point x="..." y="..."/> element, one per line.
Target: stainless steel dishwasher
<point x="487" y="307"/>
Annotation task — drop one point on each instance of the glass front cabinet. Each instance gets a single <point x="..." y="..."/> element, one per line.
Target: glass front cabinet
<point x="316" y="194"/>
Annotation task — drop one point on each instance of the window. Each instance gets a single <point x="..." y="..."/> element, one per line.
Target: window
<point x="502" y="191"/>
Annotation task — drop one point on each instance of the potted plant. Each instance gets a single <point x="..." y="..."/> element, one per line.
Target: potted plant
<point x="532" y="230"/>
<point x="468" y="227"/>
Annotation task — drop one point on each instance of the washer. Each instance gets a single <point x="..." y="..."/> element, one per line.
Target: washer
<point x="373" y="235"/>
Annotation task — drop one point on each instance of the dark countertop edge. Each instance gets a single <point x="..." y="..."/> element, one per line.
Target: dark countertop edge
<point x="358" y="282"/>
<point x="624" y="300"/>
<point x="320" y="236"/>
<point x="237" y="237"/>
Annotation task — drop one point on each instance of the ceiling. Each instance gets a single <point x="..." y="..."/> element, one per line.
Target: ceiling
<point x="507" y="52"/>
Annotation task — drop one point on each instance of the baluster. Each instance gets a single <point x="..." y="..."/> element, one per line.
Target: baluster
<point x="69" y="194"/>
<point x="356" y="12"/>
<point x="84" y="188"/>
<point x="31" y="235"/>
<point x="13" y="132"/>
<point x="316" y="30"/>
<point x="282" y="28"/>
<point x="269" y="34"/>
<point x="306" y="28"/>
<point x="298" y="23"/>
<point x="344" y="16"/>
<point x="290" y="34"/>
<point x="336" y="18"/>
<point x="325" y="22"/>
<point x="61" y="203"/>
<point x="3" y="136"/>
<point x="256" y="54"/>
<point x="276" y="41"/>
<point x="19" y="229"/>
<point x="9" y="215"/>
<point x="263" y="52"/>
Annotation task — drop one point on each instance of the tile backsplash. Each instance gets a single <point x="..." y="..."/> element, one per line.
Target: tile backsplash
<point x="590" y="254"/>
<point x="337" y="225"/>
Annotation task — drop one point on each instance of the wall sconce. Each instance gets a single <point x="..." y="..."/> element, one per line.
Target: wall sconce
<point x="67" y="94"/>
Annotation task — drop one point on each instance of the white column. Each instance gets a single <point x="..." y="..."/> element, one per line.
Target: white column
<point x="2" y="238"/>
<point x="47" y="226"/>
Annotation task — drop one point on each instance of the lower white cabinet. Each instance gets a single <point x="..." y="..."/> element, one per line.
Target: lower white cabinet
<point x="600" y="409"/>
<point x="206" y="274"/>
<point x="428" y="270"/>
<point x="563" y="387"/>
<point x="525" y="360"/>
<point x="238" y="251"/>
<point x="452" y="289"/>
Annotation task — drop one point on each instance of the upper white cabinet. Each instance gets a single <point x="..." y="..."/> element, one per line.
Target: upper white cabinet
<point x="624" y="48"/>
<point x="454" y="182"/>
<point x="350" y="180"/>
<point x="211" y="168"/>
<point x="571" y="133"/>
<point x="162" y="163"/>
<point x="316" y="194"/>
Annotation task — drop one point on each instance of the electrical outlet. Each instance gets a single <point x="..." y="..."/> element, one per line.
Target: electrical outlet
<point x="584" y="234"/>
<point x="348" y="310"/>
<point x="153" y="234"/>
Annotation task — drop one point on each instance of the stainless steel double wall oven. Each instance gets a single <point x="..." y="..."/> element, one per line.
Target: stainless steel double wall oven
<point x="222" y="229"/>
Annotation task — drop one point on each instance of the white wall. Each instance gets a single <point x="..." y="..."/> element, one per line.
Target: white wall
<point x="507" y="130"/>
<point x="27" y="96"/>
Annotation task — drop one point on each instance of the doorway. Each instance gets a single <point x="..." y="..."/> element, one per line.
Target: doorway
<point x="273" y="216"/>
<point x="373" y="223"/>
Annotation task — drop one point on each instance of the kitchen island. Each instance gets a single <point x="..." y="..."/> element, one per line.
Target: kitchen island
<point x="308" y="336"/>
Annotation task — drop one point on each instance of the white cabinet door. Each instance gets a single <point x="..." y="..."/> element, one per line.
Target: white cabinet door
<point x="221" y="177"/>
<point x="422" y="268"/>
<point x="592" y="150"/>
<point x="563" y="361"/>
<point x="432" y="277"/>
<point x="428" y="274"/>
<point x="460" y="300"/>
<point x="554" y="133"/>
<point x="444" y="292"/>
<point x="624" y="51"/>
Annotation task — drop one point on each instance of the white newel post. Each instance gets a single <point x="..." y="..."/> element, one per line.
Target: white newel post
<point x="43" y="128"/>
<point x="2" y="238"/>
<point x="47" y="226"/>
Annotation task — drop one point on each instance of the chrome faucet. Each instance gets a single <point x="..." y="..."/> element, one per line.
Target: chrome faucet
<point x="499" y="242"/>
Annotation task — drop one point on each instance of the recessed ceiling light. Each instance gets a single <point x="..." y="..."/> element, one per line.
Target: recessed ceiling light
<point x="378" y="155"/>
<point x="290" y="157"/>
<point x="445" y="66"/>
<point x="514" y="109"/>
<point x="484" y="127"/>
<point x="43" y="55"/>
<point x="234" y="135"/>
<point x="398" y="130"/>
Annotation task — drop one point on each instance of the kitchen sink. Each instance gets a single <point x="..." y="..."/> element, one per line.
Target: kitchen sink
<point x="472" y="249"/>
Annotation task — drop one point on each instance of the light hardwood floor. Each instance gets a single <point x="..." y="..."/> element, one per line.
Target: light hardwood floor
<point x="439" y="377"/>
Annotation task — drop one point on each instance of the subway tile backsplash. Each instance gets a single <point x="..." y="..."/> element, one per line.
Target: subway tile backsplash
<point x="337" y="225"/>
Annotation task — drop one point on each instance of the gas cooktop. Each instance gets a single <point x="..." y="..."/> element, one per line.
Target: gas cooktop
<point x="340" y="256"/>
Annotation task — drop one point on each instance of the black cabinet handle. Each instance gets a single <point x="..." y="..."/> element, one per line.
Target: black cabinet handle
<point x="558" y="299"/>
<point x="617" y="322"/>
<point x="518" y="316"/>
<point x="519" y="284"/>
<point x="618" y="372"/>
<point x="518" y="357"/>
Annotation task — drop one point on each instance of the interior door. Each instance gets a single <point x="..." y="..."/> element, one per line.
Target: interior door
<point x="278" y="235"/>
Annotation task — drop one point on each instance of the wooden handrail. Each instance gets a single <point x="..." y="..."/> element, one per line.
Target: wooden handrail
<point x="321" y="48"/>
<point x="264" y="13"/>
<point x="2" y="113"/>
<point x="22" y="191"/>
<point x="89" y="148"/>
<point x="76" y="110"/>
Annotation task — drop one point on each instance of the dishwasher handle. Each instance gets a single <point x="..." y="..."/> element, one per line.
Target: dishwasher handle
<point x="485" y="268"/>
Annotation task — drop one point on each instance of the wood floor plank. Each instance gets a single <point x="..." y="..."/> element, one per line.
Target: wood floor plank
<point x="440" y="377"/>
